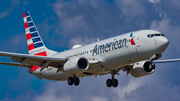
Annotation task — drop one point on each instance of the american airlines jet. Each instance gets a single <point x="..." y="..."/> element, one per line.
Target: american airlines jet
<point x="135" y="53"/>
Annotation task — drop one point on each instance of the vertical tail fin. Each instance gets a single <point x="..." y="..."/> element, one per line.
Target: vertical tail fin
<point x="34" y="41"/>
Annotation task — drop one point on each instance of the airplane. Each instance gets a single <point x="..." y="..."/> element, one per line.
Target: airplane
<point x="135" y="53"/>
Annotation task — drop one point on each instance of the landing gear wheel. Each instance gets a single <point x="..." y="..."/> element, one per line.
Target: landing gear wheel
<point x="109" y="82"/>
<point x="76" y="81"/>
<point x="115" y="83"/>
<point x="70" y="81"/>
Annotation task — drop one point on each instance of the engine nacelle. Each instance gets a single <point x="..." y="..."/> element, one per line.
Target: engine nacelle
<point x="76" y="65"/>
<point x="142" y="68"/>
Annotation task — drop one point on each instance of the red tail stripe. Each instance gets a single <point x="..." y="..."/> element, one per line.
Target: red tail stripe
<point x="28" y="36"/>
<point x="31" y="46"/>
<point x="24" y="15"/>
<point x="41" y="54"/>
<point x="26" y="25"/>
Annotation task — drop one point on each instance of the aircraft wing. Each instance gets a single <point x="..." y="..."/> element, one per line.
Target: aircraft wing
<point x="15" y="64"/>
<point x="166" y="61"/>
<point x="26" y="60"/>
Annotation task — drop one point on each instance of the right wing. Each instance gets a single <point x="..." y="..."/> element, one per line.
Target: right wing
<point x="166" y="61"/>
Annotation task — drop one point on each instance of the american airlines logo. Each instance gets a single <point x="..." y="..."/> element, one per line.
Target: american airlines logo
<point x="116" y="44"/>
<point x="131" y="39"/>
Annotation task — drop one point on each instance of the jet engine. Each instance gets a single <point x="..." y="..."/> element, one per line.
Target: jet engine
<point x="76" y="65"/>
<point x="142" y="68"/>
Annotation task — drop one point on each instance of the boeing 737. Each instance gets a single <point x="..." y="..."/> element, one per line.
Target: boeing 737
<point x="135" y="53"/>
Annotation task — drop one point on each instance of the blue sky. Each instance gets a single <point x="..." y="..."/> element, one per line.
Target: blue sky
<point x="63" y="23"/>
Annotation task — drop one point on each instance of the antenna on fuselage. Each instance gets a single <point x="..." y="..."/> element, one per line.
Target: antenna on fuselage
<point x="97" y="39"/>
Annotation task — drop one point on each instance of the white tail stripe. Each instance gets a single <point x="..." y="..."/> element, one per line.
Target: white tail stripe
<point x="27" y="30"/>
<point x="25" y="20"/>
<point x="29" y="41"/>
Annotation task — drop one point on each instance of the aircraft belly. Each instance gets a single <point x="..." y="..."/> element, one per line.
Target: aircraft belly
<point x="50" y="74"/>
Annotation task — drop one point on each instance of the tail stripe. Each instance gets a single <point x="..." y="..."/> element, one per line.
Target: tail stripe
<point x="30" y="24"/>
<point x="31" y="46"/>
<point x="34" y="34"/>
<point x="32" y="29"/>
<point x="36" y="39"/>
<point x="24" y="15"/>
<point x="29" y="42"/>
<point x="27" y="31"/>
<point x="26" y="25"/>
<point x="28" y="36"/>
<point x="28" y="19"/>
<point x="38" y="45"/>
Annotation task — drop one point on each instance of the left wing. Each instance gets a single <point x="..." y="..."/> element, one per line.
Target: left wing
<point x="29" y="60"/>
<point x="16" y="64"/>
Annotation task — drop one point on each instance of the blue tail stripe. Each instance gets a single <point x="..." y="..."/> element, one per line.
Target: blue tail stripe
<point x="30" y="24"/>
<point x="38" y="45"/>
<point x="27" y="14"/>
<point x="34" y="34"/>
<point x="28" y="19"/>
<point x="32" y="29"/>
<point x="36" y="39"/>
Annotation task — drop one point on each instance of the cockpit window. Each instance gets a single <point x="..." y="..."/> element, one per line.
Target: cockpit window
<point x="154" y="35"/>
<point x="157" y="34"/>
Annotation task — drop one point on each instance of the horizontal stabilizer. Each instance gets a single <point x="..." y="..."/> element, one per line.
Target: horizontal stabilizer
<point x="15" y="64"/>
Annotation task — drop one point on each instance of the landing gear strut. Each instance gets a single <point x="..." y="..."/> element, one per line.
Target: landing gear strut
<point x="112" y="82"/>
<point x="73" y="80"/>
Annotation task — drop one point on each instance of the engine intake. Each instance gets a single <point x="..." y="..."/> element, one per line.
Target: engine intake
<point x="142" y="68"/>
<point x="76" y="65"/>
<point x="148" y="66"/>
<point x="82" y="63"/>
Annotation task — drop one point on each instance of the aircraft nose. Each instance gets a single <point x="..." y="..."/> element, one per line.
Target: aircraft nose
<point x="163" y="43"/>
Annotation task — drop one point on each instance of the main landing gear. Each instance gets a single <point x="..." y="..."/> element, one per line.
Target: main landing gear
<point x="112" y="82"/>
<point x="73" y="80"/>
